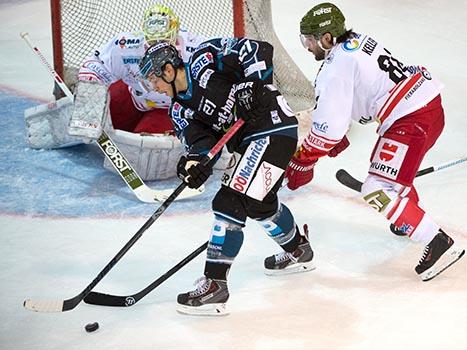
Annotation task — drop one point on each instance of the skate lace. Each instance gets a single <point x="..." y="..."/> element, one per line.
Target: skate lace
<point x="284" y="256"/>
<point x="202" y="286"/>
<point x="424" y="255"/>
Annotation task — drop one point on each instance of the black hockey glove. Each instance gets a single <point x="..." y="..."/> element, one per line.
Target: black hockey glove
<point x="246" y="100"/>
<point x="191" y="170"/>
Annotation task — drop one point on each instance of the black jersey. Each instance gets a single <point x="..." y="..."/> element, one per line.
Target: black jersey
<point x="204" y="112"/>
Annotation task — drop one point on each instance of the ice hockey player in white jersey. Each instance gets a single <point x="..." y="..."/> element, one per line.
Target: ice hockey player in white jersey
<point x="110" y="93"/>
<point x="361" y="80"/>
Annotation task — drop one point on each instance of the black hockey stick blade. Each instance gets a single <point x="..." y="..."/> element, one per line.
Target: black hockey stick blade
<point x="348" y="180"/>
<point x="97" y="298"/>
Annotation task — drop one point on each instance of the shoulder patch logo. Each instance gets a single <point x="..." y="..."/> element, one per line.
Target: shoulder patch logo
<point x="351" y="45"/>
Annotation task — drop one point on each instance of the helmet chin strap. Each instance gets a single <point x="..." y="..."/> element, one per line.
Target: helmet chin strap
<point x="326" y="51"/>
<point x="172" y="83"/>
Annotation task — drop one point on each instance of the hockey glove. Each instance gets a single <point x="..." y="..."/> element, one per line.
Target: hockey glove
<point x="191" y="170"/>
<point x="300" y="171"/>
<point x="342" y="145"/>
<point x="246" y="100"/>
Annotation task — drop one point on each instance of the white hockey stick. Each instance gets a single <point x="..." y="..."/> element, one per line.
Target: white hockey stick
<point x="111" y="151"/>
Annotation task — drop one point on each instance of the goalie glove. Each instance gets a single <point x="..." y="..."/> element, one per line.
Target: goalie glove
<point x="300" y="170"/>
<point x="191" y="170"/>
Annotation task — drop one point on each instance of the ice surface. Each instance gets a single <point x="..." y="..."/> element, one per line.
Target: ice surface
<point x="63" y="217"/>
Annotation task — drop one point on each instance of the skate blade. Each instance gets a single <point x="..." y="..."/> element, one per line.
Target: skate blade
<point x="447" y="259"/>
<point x="295" y="268"/>
<point x="204" y="310"/>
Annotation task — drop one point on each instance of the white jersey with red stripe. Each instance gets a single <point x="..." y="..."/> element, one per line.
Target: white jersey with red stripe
<point x="119" y="59"/>
<point x="360" y="80"/>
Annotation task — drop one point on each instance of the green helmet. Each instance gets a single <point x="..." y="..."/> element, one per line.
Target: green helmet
<point x="323" y="18"/>
<point x="160" y="23"/>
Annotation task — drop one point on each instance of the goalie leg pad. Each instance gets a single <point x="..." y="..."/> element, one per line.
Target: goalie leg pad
<point x="91" y="107"/>
<point x="154" y="157"/>
<point x="47" y="125"/>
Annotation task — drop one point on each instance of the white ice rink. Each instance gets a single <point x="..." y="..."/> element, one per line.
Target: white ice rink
<point x="364" y="293"/>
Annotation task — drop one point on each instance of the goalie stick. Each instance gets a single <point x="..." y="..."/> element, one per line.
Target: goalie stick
<point x="44" y="305"/>
<point x="103" y="299"/>
<point x="348" y="180"/>
<point x="143" y="192"/>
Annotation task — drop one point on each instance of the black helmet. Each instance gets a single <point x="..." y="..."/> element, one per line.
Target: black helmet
<point x="157" y="56"/>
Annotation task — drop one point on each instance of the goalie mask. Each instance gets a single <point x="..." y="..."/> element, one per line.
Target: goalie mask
<point x="160" y="23"/>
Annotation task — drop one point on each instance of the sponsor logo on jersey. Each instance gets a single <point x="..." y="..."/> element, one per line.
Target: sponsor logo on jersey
<point x="248" y="165"/>
<point x="388" y="158"/>
<point x="203" y="81"/>
<point x="131" y="59"/>
<point x="177" y="118"/>
<point x="200" y="62"/>
<point x="415" y="88"/>
<point x="275" y="117"/>
<point x="351" y="45"/>
<point x="129" y="43"/>
<point x="225" y="113"/>
<point x="265" y="179"/>
<point x="98" y="70"/>
<point x="323" y="127"/>
<point x="255" y="67"/>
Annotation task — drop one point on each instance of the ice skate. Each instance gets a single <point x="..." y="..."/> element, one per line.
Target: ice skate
<point x="207" y="299"/>
<point x="284" y="263"/>
<point x="438" y="255"/>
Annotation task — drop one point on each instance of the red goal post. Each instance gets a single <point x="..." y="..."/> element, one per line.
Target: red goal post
<point x="81" y="26"/>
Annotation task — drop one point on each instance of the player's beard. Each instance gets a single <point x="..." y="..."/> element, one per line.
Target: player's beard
<point x="320" y="54"/>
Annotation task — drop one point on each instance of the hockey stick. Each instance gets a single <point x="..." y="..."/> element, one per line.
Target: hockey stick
<point x="42" y="305"/>
<point x="348" y="180"/>
<point x="103" y="299"/>
<point x="97" y="298"/>
<point x="143" y="192"/>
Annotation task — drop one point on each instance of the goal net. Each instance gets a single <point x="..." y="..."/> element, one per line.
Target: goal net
<point x="81" y="26"/>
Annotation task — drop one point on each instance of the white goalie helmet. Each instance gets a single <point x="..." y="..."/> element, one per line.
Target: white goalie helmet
<point x="160" y="23"/>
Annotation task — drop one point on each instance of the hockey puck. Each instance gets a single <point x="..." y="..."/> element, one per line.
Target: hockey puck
<point x="91" y="327"/>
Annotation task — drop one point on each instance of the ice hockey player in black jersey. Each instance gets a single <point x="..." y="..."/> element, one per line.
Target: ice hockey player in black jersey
<point x="227" y="79"/>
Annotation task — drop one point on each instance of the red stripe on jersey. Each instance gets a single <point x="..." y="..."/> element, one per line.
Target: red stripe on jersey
<point x="313" y="141"/>
<point x="88" y="76"/>
<point x="396" y="96"/>
<point x="393" y="210"/>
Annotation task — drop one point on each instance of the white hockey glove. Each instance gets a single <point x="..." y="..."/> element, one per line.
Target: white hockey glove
<point x="47" y="125"/>
<point x="91" y="107"/>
